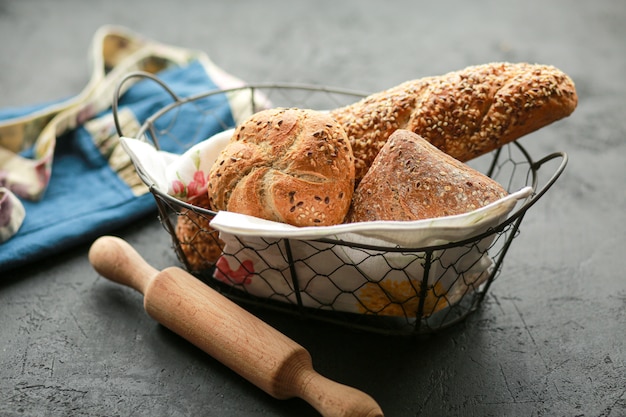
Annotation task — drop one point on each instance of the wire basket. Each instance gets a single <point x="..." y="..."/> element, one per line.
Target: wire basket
<point x="411" y="304"/>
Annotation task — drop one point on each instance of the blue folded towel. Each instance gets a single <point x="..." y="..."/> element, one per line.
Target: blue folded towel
<point x="86" y="195"/>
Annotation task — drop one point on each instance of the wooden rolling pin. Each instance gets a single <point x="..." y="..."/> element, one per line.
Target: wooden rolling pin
<point x="227" y="332"/>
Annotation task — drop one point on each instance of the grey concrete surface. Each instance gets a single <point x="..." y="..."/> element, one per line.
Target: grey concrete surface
<point x="549" y="339"/>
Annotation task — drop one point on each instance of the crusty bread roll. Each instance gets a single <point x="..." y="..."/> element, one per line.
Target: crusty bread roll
<point x="411" y="179"/>
<point x="464" y="113"/>
<point x="199" y="242"/>
<point x="292" y="166"/>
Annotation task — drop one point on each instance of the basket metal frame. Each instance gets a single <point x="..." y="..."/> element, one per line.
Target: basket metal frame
<point x="168" y="204"/>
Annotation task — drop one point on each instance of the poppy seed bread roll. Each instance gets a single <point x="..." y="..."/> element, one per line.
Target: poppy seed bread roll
<point x="292" y="166"/>
<point x="464" y="113"/>
<point x="411" y="179"/>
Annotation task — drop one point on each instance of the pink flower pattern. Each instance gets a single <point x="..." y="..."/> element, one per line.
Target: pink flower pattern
<point x="178" y="188"/>
<point x="242" y="275"/>
<point x="197" y="186"/>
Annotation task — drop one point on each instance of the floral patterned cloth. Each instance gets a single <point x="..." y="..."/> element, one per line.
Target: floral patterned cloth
<point x="61" y="164"/>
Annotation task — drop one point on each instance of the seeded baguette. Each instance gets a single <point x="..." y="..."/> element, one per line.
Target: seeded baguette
<point x="464" y="113"/>
<point x="292" y="166"/>
<point x="410" y="179"/>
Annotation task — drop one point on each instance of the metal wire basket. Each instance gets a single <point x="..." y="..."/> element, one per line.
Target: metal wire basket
<point x="421" y="309"/>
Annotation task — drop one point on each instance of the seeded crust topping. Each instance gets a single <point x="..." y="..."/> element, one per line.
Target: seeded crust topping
<point x="464" y="113"/>
<point x="293" y="166"/>
<point x="410" y="179"/>
<point x="198" y="241"/>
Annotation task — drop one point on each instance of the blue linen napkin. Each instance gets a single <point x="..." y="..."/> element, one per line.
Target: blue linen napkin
<point x="90" y="192"/>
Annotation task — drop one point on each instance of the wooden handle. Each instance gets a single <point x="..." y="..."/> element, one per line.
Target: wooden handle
<point x="230" y="334"/>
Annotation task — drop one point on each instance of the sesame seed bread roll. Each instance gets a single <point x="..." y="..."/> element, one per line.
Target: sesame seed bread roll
<point x="410" y="179"/>
<point x="464" y="113"/>
<point x="292" y="166"/>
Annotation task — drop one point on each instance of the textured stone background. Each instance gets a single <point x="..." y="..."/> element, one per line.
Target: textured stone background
<point x="549" y="340"/>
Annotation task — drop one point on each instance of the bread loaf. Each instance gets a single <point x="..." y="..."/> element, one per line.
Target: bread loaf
<point x="411" y="179"/>
<point x="292" y="166"/>
<point x="464" y="113"/>
<point x="199" y="242"/>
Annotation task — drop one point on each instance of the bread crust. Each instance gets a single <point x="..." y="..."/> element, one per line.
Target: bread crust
<point x="411" y="179"/>
<point x="291" y="165"/>
<point x="465" y="113"/>
<point x="199" y="242"/>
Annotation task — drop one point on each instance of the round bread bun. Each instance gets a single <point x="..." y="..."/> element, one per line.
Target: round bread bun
<point x="287" y="165"/>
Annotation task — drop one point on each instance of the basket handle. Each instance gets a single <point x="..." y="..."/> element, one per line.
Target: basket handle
<point x="122" y="87"/>
<point x="537" y="194"/>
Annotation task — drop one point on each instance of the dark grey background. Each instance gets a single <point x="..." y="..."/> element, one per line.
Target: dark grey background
<point x="549" y="340"/>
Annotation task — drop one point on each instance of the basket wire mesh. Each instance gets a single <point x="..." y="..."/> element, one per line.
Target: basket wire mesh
<point x="422" y="308"/>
